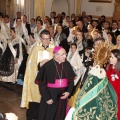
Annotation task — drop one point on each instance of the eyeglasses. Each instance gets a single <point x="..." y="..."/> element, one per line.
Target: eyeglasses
<point x="63" y="55"/>
<point x="46" y="38"/>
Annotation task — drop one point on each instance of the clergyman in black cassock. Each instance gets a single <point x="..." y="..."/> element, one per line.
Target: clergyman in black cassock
<point x="56" y="81"/>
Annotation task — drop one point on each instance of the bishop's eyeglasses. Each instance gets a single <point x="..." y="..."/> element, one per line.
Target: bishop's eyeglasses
<point x="63" y="55"/>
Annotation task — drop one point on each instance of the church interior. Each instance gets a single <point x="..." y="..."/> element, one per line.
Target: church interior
<point x="34" y="8"/>
<point x="10" y="93"/>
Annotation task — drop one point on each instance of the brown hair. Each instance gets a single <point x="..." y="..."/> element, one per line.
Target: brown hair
<point x="116" y="53"/>
<point x="95" y="30"/>
<point x="74" y="44"/>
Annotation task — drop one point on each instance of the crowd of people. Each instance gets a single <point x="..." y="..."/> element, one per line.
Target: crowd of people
<point x="52" y="58"/>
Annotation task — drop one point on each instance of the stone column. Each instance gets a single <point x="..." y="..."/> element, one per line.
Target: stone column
<point x="78" y="6"/>
<point x="39" y="9"/>
<point x="116" y="14"/>
<point x="3" y="6"/>
<point x="10" y="8"/>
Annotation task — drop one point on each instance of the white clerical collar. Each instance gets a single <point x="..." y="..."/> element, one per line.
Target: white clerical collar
<point x="103" y="28"/>
<point x="114" y="30"/>
<point x="57" y="61"/>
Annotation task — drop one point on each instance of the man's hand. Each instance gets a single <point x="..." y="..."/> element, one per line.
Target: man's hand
<point x="65" y="95"/>
<point x="43" y="62"/>
<point x="49" y="101"/>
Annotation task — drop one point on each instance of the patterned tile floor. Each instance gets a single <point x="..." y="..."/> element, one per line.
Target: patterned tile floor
<point x="10" y="98"/>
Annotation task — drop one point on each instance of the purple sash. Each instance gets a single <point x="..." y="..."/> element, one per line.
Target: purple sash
<point x="59" y="83"/>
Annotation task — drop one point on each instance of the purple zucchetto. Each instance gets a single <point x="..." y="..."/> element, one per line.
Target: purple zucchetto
<point x="56" y="49"/>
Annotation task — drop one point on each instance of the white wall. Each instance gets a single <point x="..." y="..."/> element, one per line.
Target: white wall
<point x="48" y="5"/>
<point x="91" y="8"/>
<point x="60" y="6"/>
<point x="72" y="7"/>
<point x="32" y="9"/>
<point x="97" y="8"/>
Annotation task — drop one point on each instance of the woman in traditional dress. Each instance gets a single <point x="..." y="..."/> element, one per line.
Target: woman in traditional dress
<point x="81" y="44"/>
<point x="111" y="38"/>
<point x="51" y="30"/>
<point x="11" y="59"/>
<point x="66" y="22"/>
<point x="60" y="38"/>
<point x="73" y="17"/>
<point x="3" y="43"/>
<point x="39" y="28"/>
<point x="88" y="34"/>
<point x="95" y="34"/>
<point x="97" y="99"/>
<point x="48" y="23"/>
<point x="21" y="30"/>
<point x="113" y="74"/>
<point x="33" y="42"/>
<point x="76" y="62"/>
<point x="117" y="46"/>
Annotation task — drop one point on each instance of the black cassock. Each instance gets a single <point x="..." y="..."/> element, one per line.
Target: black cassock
<point x="47" y="74"/>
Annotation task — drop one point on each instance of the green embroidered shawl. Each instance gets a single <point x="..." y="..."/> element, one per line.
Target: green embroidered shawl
<point x="97" y="100"/>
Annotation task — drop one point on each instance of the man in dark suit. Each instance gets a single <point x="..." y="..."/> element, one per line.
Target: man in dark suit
<point x="27" y="25"/>
<point x="115" y="28"/>
<point x="69" y="34"/>
<point x="52" y="17"/>
<point x="63" y="14"/>
<point x="90" y="19"/>
<point x="68" y="30"/>
<point x="85" y="24"/>
<point x="83" y="15"/>
<point x="76" y="20"/>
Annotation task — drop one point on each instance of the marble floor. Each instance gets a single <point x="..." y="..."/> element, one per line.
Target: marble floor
<point x="10" y="98"/>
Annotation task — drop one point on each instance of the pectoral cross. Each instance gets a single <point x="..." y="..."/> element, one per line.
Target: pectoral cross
<point x="61" y="82"/>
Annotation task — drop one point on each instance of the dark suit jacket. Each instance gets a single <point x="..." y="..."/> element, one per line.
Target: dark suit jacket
<point x="28" y="28"/>
<point x="117" y="33"/>
<point x="85" y="27"/>
<point x="67" y="31"/>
